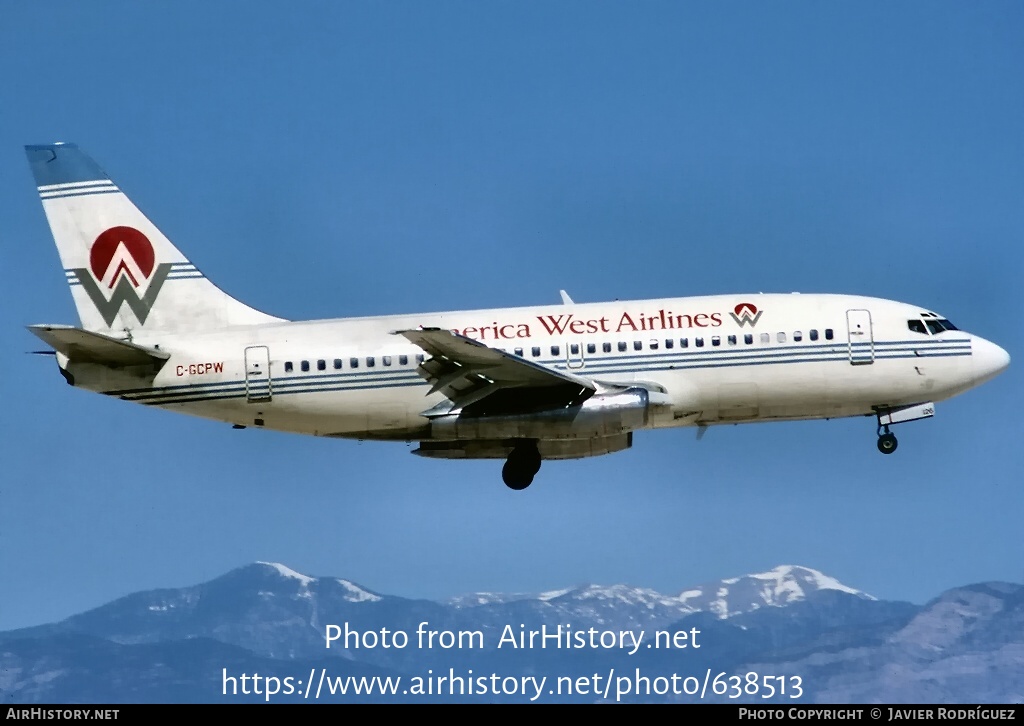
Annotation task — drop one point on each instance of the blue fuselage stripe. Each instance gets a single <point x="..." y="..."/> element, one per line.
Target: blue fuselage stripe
<point x="288" y="384"/>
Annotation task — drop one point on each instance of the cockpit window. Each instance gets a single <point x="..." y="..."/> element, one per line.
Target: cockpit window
<point x="938" y="325"/>
<point x="932" y="326"/>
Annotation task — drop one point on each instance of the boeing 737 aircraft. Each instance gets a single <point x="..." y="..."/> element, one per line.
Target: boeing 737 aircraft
<point x="520" y="384"/>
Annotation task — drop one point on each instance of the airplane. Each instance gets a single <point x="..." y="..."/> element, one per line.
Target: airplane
<point x="521" y="384"/>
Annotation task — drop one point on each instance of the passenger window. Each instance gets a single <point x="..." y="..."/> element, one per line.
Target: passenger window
<point x="654" y="344"/>
<point x="321" y="365"/>
<point x="574" y="348"/>
<point x="535" y="351"/>
<point x="684" y="342"/>
<point x="403" y="360"/>
<point x="337" y="364"/>
<point x="304" y="366"/>
<point x="420" y="358"/>
<point x="814" y="334"/>
<point x="699" y="342"/>
<point x="288" y="367"/>
<point x="732" y="340"/>
<point x="797" y="336"/>
<point x="370" y="361"/>
<point x="716" y="340"/>
<point x="518" y="352"/>
<point x="766" y="338"/>
<point x="828" y="334"/>
<point x="622" y="346"/>
<point x="554" y="350"/>
<point x="781" y="337"/>
<point x="637" y="345"/>
<point x="748" y="339"/>
<point x="353" y="362"/>
<point x="591" y="348"/>
<point x="606" y="347"/>
<point x="386" y="360"/>
<point x="669" y="342"/>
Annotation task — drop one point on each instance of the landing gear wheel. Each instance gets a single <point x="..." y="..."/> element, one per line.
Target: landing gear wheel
<point x="514" y="476"/>
<point x="887" y="443"/>
<point x="522" y="465"/>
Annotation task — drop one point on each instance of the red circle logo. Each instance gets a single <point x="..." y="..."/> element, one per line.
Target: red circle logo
<point x="127" y="251"/>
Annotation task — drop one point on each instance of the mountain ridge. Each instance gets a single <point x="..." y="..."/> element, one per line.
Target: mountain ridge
<point x="842" y="644"/>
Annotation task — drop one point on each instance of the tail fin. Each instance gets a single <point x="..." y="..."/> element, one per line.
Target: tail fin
<point x="125" y="275"/>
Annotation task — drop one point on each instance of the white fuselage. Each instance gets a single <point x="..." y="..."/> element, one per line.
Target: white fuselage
<point x="784" y="357"/>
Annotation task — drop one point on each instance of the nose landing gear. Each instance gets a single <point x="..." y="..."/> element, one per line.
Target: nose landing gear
<point x="886" y="441"/>
<point x="521" y="466"/>
<point x="891" y="415"/>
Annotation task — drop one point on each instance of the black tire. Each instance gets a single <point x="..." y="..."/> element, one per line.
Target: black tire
<point x="531" y="460"/>
<point x="522" y="465"/>
<point x="887" y="443"/>
<point x="516" y="476"/>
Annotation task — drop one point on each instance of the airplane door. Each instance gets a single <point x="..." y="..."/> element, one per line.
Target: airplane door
<point x="574" y="355"/>
<point x="861" y="337"/>
<point x="257" y="373"/>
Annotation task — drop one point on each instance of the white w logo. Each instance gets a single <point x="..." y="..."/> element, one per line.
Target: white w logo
<point x="123" y="264"/>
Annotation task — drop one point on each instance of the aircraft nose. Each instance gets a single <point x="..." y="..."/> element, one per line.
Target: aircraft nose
<point x="989" y="359"/>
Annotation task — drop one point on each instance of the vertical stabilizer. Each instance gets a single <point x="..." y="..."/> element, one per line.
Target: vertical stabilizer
<point x="124" y="274"/>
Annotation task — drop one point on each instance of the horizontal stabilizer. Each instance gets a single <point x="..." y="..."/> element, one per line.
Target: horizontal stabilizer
<point x="83" y="346"/>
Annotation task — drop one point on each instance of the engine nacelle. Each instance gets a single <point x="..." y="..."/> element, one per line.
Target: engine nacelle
<point x="604" y="414"/>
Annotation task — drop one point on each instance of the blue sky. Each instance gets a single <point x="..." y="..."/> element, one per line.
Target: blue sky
<point x="366" y="158"/>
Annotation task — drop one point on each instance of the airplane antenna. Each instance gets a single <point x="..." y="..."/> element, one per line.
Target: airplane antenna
<point x="566" y="300"/>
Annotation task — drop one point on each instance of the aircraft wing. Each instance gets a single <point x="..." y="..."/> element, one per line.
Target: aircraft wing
<point x="88" y="347"/>
<point x="467" y="371"/>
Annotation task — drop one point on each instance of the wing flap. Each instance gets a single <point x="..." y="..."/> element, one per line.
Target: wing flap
<point x="467" y="371"/>
<point x="85" y="346"/>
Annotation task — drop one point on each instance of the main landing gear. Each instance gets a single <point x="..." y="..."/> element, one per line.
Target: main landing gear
<point x="521" y="466"/>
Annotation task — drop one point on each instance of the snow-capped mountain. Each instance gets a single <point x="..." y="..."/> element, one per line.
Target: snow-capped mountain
<point x="351" y="591"/>
<point x="781" y="586"/>
<point x="624" y="606"/>
<point x="174" y="644"/>
<point x="277" y="612"/>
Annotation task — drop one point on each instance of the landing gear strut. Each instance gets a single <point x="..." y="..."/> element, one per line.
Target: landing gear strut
<point x="522" y="465"/>
<point x="886" y="441"/>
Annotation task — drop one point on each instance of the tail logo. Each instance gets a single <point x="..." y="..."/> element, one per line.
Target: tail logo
<point x="122" y="252"/>
<point x="122" y="259"/>
<point x="746" y="314"/>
